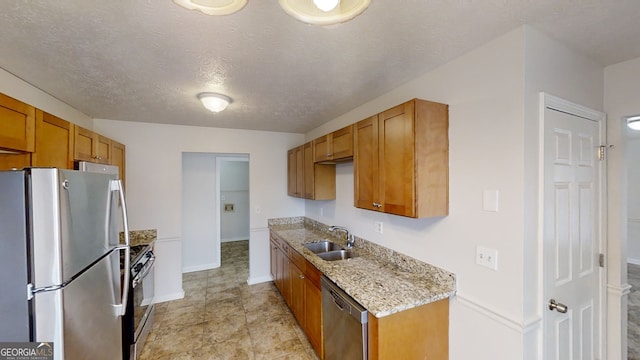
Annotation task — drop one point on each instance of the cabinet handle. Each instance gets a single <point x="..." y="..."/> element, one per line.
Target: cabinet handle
<point x="301" y="277"/>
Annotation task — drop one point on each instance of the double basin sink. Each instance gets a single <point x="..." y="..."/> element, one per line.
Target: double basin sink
<point x="329" y="251"/>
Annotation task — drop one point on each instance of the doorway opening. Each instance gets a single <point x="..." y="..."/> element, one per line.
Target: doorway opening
<point x="233" y="204"/>
<point x="215" y="208"/>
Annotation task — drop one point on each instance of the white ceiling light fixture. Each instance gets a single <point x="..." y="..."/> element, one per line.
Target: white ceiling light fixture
<point x="214" y="102"/>
<point x="213" y="7"/>
<point x="324" y="12"/>
<point x="326" y="5"/>
<point x="633" y="122"/>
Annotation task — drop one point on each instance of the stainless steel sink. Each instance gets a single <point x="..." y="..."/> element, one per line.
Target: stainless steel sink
<point x="322" y="246"/>
<point x="337" y="255"/>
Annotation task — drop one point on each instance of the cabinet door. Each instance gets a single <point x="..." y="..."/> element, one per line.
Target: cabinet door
<point x="17" y="125"/>
<point x="366" y="164"/>
<point x="83" y="148"/>
<point x="300" y="171"/>
<point x="308" y="174"/>
<point x="342" y="143"/>
<point x="273" y="254"/>
<point x="397" y="160"/>
<point x="118" y="158"/>
<point x="291" y="172"/>
<point x="295" y="172"/>
<point x="297" y="293"/>
<point x="54" y="142"/>
<point x="322" y="148"/>
<point x="313" y="314"/>
<point x="285" y="276"/>
<point x="103" y="149"/>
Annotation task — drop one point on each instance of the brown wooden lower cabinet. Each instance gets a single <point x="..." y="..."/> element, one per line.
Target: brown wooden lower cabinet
<point x="418" y="333"/>
<point x="299" y="283"/>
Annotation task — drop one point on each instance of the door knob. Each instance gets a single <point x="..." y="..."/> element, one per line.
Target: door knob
<point x="561" y="308"/>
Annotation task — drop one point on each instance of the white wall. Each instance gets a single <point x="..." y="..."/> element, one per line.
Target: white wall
<point x="18" y="89"/>
<point x="234" y="190"/>
<point x="633" y="166"/>
<point x="555" y="69"/>
<point x="622" y="91"/>
<point x="492" y="94"/>
<point x="154" y="184"/>
<point x="484" y="90"/>
<point x="200" y="250"/>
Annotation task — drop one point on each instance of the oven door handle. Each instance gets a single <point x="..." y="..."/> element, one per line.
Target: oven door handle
<point x="148" y="266"/>
<point x="121" y="309"/>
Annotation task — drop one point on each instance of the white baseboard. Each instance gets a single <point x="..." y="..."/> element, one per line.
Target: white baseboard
<point x="202" y="267"/>
<point x="633" y="261"/>
<point x="258" y="280"/>
<point x="168" y="297"/>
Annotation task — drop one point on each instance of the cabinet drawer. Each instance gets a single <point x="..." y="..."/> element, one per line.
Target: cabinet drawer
<point x="313" y="274"/>
<point x="298" y="259"/>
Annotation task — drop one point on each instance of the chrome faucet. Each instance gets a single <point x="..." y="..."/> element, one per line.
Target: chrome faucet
<point x="350" y="238"/>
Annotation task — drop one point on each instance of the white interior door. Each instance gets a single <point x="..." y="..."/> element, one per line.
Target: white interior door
<point x="572" y="236"/>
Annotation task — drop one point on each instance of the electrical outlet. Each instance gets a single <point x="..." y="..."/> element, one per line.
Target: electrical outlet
<point x="378" y="226"/>
<point x="487" y="257"/>
<point x="321" y="211"/>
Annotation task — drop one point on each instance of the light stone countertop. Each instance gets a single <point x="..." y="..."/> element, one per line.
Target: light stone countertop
<point x="140" y="237"/>
<point x="380" y="279"/>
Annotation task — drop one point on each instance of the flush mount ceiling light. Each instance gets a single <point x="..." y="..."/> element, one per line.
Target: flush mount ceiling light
<point x="324" y="12"/>
<point x="213" y="7"/>
<point x="634" y="122"/>
<point x="214" y="102"/>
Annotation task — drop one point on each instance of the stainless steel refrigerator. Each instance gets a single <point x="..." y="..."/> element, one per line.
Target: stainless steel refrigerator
<point x="60" y="276"/>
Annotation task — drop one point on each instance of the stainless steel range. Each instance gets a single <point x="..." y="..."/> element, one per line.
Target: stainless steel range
<point x="140" y="312"/>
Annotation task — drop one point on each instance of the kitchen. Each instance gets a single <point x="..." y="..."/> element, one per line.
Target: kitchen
<point x="492" y="90"/>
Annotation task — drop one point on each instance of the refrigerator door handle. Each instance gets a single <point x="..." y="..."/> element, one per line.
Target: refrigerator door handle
<point x="116" y="185"/>
<point x="31" y="290"/>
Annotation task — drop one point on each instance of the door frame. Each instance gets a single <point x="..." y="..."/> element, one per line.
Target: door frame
<point x="559" y="104"/>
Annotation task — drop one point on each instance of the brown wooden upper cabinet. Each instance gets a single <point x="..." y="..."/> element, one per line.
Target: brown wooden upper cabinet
<point x="54" y="142"/>
<point x="335" y="146"/>
<point x="17" y="125"/>
<point x="307" y="179"/>
<point x="295" y="172"/>
<point x="401" y="160"/>
<point x="118" y="158"/>
<point x="90" y="146"/>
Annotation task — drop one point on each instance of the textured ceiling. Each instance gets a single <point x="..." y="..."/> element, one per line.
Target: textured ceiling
<point x="147" y="60"/>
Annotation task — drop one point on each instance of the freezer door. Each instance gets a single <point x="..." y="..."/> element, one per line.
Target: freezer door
<point x="74" y="222"/>
<point x="91" y="327"/>
<point x="14" y="308"/>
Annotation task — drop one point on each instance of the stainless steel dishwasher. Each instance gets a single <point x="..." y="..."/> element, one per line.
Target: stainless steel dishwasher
<point x="344" y="323"/>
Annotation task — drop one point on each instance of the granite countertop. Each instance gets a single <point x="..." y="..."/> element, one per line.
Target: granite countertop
<point x="140" y="237"/>
<point x="380" y="279"/>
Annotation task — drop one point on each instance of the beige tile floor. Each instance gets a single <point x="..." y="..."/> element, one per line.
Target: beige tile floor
<point x="221" y="317"/>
